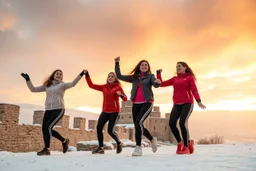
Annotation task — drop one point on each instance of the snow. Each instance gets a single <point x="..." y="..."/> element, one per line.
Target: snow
<point x="126" y="125"/>
<point x="72" y="148"/>
<point x="95" y="143"/>
<point x="223" y="157"/>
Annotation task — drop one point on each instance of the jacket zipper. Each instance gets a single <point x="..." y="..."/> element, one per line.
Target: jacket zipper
<point x="115" y="104"/>
<point x="188" y="94"/>
<point x="59" y="100"/>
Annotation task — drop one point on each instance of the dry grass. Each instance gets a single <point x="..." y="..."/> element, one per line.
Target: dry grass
<point x="216" y="139"/>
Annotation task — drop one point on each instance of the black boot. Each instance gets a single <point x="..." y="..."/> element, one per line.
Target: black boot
<point x="99" y="150"/>
<point x="65" y="146"/>
<point x="119" y="148"/>
<point x="44" y="152"/>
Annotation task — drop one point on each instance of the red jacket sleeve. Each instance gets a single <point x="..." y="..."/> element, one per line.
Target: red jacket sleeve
<point x="93" y="86"/>
<point x="165" y="83"/>
<point x="124" y="98"/>
<point x="193" y="88"/>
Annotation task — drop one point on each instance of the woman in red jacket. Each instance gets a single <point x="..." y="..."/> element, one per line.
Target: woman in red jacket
<point x="184" y="90"/>
<point x="112" y="90"/>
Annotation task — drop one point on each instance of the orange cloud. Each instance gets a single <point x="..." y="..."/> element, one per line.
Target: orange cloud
<point x="7" y="22"/>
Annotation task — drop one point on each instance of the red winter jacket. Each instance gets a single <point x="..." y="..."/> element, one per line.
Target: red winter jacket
<point x="184" y="86"/>
<point x="110" y="98"/>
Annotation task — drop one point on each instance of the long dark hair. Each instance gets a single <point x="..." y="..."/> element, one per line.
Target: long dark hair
<point x="188" y="69"/>
<point x="136" y="70"/>
<point x="116" y="81"/>
<point x="48" y="80"/>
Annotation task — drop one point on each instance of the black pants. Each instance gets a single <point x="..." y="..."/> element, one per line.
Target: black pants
<point x="140" y="112"/>
<point x="112" y="118"/>
<point x="51" y="117"/>
<point x="181" y="112"/>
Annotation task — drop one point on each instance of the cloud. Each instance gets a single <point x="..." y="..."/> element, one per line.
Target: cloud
<point x="216" y="38"/>
<point x="7" y="22"/>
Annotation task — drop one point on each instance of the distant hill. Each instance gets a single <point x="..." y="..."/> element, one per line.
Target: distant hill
<point x="27" y="111"/>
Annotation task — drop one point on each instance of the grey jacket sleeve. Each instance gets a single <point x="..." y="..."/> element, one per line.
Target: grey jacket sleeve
<point x="152" y="80"/>
<point x="126" y="78"/>
<point x="35" y="89"/>
<point x="73" y="83"/>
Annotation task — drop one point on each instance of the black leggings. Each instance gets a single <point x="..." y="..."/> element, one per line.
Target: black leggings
<point x="112" y="118"/>
<point x="140" y="112"/>
<point x="183" y="112"/>
<point x="51" y="117"/>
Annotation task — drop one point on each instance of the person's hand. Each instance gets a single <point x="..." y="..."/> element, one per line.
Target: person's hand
<point x="86" y="72"/>
<point x="82" y="73"/>
<point x="25" y="76"/>
<point x="201" y="105"/>
<point x="117" y="59"/>
<point x="157" y="81"/>
<point x="159" y="71"/>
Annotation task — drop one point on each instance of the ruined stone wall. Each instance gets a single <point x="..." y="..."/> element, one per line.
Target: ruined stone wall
<point x="26" y="138"/>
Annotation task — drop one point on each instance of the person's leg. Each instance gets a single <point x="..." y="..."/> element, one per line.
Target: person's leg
<point x="185" y="114"/>
<point x="59" y="113"/>
<point x="51" y="117"/>
<point x="113" y="118"/>
<point x="104" y="117"/>
<point x="174" y="117"/>
<point x="140" y="130"/>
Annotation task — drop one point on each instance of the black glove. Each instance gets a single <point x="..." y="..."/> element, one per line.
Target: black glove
<point x="87" y="73"/>
<point x="25" y="76"/>
<point x="82" y="73"/>
<point x="159" y="71"/>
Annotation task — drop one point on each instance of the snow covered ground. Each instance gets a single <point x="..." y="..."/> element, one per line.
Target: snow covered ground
<point x="224" y="157"/>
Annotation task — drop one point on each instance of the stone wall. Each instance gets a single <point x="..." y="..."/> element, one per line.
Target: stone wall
<point x="26" y="138"/>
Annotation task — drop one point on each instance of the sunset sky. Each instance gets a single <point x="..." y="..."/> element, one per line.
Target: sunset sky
<point x="217" y="38"/>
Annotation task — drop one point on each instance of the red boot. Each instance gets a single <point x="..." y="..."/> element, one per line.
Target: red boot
<point x="179" y="147"/>
<point x="185" y="150"/>
<point x="191" y="146"/>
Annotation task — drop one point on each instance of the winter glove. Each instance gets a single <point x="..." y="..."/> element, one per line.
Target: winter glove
<point x="82" y="73"/>
<point x="25" y="76"/>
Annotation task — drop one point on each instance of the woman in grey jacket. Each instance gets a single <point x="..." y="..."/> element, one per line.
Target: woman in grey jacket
<point x="142" y="97"/>
<point x="54" y="106"/>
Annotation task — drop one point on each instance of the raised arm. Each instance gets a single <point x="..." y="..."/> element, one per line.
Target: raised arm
<point x="90" y="83"/>
<point x="164" y="83"/>
<point x="30" y="85"/>
<point x="127" y="78"/>
<point x="74" y="82"/>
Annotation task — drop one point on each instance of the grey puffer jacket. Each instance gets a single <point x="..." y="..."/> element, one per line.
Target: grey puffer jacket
<point x="54" y="93"/>
<point x="147" y="82"/>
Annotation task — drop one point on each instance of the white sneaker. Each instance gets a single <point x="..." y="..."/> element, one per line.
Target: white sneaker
<point x="137" y="151"/>
<point x="154" y="144"/>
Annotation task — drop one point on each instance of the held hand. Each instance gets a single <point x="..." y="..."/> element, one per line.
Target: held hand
<point x="82" y="73"/>
<point x="157" y="81"/>
<point x="25" y="76"/>
<point x="86" y="72"/>
<point x="117" y="59"/>
<point x="159" y="70"/>
<point x="201" y="106"/>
